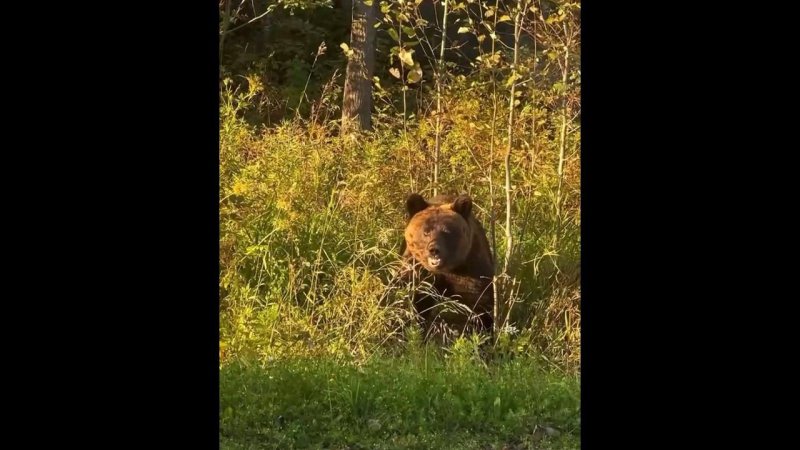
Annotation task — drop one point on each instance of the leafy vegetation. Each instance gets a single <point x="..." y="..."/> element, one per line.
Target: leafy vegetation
<point x="418" y="402"/>
<point x="314" y="327"/>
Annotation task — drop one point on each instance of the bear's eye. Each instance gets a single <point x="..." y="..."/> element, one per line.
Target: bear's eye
<point x="426" y="232"/>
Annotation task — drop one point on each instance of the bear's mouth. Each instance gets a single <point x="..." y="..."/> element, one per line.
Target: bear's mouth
<point x="434" y="261"/>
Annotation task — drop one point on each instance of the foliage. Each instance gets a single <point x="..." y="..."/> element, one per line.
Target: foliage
<point x="311" y="222"/>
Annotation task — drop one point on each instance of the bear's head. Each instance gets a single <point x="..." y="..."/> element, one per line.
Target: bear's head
<point x="439" y="236"/>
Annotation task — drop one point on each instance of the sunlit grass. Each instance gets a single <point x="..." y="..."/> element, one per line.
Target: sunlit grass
<point x="416" y="402"/>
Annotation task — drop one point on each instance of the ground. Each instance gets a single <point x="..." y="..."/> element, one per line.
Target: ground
<point x="415" y="402"/>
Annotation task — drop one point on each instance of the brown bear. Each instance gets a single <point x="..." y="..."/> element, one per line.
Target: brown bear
<point x="447" y="247"/>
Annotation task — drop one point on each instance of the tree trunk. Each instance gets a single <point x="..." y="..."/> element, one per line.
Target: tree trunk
<point x="226" y="21"/>
<point x="507" y="163"/>
<point x="562" y="144"/>
<point x="439" y="79"/>
<point x="357" y="104"/>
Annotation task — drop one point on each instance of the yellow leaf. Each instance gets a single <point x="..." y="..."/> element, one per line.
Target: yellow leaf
<point x="511" y="79"/>
<point x="415" y="74"/>
<point x="405" y="57"/>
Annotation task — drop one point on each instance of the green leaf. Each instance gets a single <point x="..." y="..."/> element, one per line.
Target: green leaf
<point x="504" y="18"/>
<point x="395" y="72"/>
<point x="368" y="2"/>
<point x="409" y="31"/>
<point x="393" y="34"/>
<point x="464" y="30"/>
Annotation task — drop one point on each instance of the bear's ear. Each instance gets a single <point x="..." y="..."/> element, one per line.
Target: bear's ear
<point x="414" y="204"/>
<point x="463" y="205"/>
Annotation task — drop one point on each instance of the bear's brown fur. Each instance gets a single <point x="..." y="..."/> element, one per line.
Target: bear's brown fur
<point x="446" y="246"/>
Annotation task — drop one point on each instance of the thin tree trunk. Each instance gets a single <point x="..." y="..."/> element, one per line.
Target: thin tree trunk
<point x="357" y="105"/>
<point x="226" y="21"/>
<point x="439" y="77"/>
<point x="562" y="143"/>
<point x="411" y="180"/>
<point x="492" y="218"/>
<point x="511" y="101"/>
<point x="533" y="99"/>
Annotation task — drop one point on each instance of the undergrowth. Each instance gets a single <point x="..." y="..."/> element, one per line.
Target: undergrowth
<point x="311" y="226"/>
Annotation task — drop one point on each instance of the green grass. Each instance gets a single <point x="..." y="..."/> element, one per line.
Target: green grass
<point x="419" y="401"/>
